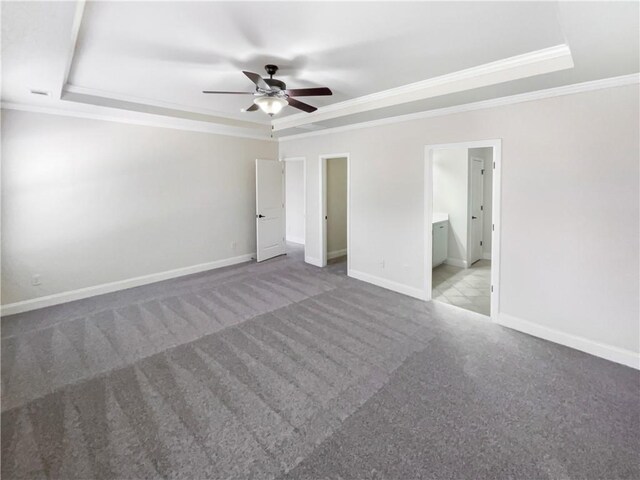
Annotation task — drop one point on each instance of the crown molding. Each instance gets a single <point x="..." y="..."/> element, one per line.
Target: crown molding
<point x="526" y="65"/>
<point x="620" y="81"/>
<point x="137" y="118"/>
<point x="146" y="119"/>
<point x="73" y="42"/>
<point x="237" y="119"/>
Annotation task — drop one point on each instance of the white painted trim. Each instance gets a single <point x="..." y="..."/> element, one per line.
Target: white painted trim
<point x="456" y="262"/>
<point x="496" y="231"/>
<point x="336" y="254"/>
<point x="323" y="206"/>
<point x="75" y="31"/>
<point x="602" y="350"/>
<point x="486" y="255"/>
<point x="313" y="261"/>
<point x="104" y="94"/>
<point x="621" y="81"/>
<point x="323" y="211"/>
<point x="138" y="118"/>
<point x="388" y="284"/>
<point x="538" y="62"/>
<point x="496" y="216"/>
<point x="297" y="240"/>
<point x="70" y="296"/>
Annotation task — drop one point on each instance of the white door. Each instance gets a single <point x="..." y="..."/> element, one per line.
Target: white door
<point x="475" y="210"/>
<point x="270" y="214"/>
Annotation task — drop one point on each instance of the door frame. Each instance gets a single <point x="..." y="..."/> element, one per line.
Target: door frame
<point x="496" y="203"/>
<point x="469" y="205"/>
<point x="322" y="160"/>
<point x="304" y="193"/>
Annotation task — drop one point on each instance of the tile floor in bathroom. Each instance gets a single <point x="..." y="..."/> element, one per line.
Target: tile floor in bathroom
<point x="468" y="288"/>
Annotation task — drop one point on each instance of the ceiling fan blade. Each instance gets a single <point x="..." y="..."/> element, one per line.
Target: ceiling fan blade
<point x="252" y="108"/>
<point x="258" y="80"/>
<point x="232" y="93"/>
<point x="301" y="105"/>
<point x="309" y="92"/>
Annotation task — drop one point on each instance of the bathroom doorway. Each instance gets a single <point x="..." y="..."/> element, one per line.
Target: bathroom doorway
<point x="461" y="229"/>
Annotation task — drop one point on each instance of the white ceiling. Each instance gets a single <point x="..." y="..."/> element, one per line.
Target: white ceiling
<point x="165" y="53"/>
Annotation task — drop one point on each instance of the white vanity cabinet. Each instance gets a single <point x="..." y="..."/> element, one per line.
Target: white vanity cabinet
<point x="440" y="242"/>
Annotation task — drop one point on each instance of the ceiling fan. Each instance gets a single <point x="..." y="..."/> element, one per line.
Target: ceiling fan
<point x="272" y="95"/>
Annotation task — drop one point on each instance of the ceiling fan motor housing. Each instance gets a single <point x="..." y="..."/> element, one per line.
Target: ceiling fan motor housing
<point x="273" y="83"/>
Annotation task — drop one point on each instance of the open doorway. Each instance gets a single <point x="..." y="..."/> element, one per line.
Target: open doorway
<point x="335" y="210"/>
<point x="295" y="201"/>
<point x="461" y="228"/>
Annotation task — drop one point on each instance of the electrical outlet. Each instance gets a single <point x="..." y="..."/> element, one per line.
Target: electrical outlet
<point x="36" y="280"/>
<point x="234" y="245"/>
<point x="382" y="263"/>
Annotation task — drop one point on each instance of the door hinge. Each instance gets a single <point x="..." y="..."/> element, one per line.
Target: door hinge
<point x="480" y="242"/>
<point x="493" y="227"/>
<point x="491" y="288"/>
<point x="494" y="165"/>
<point x="482" y="172"/>
<point x="481" y="207"/>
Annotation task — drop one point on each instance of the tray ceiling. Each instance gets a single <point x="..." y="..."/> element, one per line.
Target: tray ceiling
<point x="157" y="57"/>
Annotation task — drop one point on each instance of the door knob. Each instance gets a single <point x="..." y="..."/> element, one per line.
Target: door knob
<point x="261" y="216"/>
<point x="473" y="218"/>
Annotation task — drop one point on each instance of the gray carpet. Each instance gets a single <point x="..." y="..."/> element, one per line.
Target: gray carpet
<point x="284" y="370"/>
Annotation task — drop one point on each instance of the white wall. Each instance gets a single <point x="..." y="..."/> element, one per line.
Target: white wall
<point x="570" y="209"/>
<point x="86" y="202"/>
<point x="294" y="180"/>
<point x="451" y="196"/>
<point x="336" y="207"/>
<point x="486" y="154"/>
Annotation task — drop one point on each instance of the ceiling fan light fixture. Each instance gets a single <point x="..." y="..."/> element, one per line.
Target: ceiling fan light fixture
<point x="271" y="105"/>
<point x="272" y="95"/>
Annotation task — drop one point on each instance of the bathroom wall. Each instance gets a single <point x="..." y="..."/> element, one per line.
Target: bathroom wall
<point x="450" y="196"/>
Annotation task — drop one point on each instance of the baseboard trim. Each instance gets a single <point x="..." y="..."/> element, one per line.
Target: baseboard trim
<point x="388" y="284"/>
<point x="298" y="240"/>
<point x="337" y="253"/>
<point x="70" y="296"/>
<point x="313" y="261"/>
<point x="608" y="352"/>
<point x="456" y="262"/>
